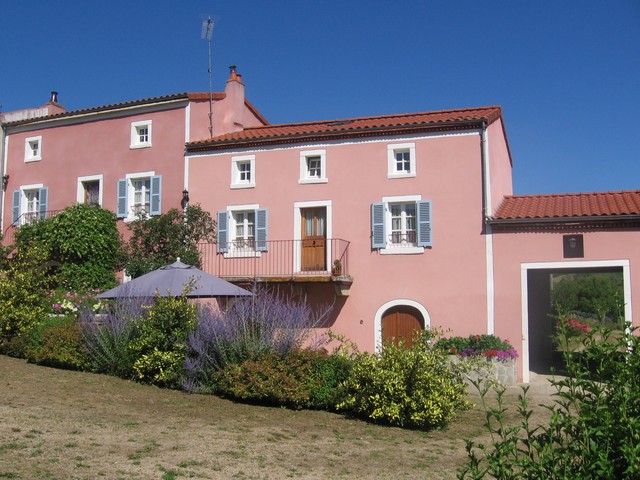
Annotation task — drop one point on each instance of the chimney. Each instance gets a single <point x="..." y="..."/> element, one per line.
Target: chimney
<point x="52" y="106"/>
<point x="234" y="103"/>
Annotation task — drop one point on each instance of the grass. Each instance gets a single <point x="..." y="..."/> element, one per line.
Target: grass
<point x="64" y="424"/>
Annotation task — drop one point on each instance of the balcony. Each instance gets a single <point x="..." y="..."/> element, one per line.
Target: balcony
<point x="8" y="236"/>
<point x="300" y="261"/>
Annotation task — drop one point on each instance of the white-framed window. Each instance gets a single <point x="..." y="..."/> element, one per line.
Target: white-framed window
<point x="141" y="134"/>
<point x="243" y="171"/>
<point x="139" y="194"/>
<point x="313" y="166"/>
<point x="30" y="203"/>
<point x="401" y="225"/>
<point x="242" y="230"/>
<point x="401" y="160"/>
<point x="33" y="149"/>
<point x="89" y="189"/>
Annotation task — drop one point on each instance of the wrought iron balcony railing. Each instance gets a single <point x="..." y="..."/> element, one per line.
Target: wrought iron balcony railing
<point x="282" y="259"/>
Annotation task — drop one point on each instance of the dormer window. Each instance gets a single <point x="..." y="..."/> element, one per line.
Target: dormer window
<point x="141" y="134"/>
<point x="33" y="149"/>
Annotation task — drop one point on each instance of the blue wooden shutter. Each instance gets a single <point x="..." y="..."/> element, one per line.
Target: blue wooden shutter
<point x="261" y="230"/>
<point x="156" y="191"/>
<point x="223" y="243"/>
<point x="378" y="234"/>
<point x="121" y="209"/>
<point x="424" y="223"/>
<point x="43" y="203"/>
<point x="17" y="196"/>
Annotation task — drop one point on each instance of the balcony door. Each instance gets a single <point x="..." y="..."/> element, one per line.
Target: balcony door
<point x="314" y="239"/>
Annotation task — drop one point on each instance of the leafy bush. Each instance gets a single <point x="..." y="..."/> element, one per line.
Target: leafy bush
<point x="485" y="345"/>
<point x="297" y="379"/>
<point x="407" y="387"/>
<point x="252" y="327"/>
<point x="596" y="295"/>
<point x="159" y="240"/>
<point x="24" y="290"/>
<point x="107" y="336"/>
<point x="594" y="429"/>
<point x="57" y="342"/>
<point x="82" y="240"/>
<point x="160" y="344"/>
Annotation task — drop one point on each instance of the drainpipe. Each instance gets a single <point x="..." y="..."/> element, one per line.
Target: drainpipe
<point x="3" y="166"/>
<point x="486" y="214"/>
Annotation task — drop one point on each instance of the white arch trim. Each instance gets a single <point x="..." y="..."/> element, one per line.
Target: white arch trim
<point x="394" y="303"/>
<point x="525" y="267"/>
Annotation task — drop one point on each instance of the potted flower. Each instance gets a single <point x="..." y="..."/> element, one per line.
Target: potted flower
<point x="337" y="268"/>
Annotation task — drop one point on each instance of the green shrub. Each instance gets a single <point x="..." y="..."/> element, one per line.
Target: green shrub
<point x="487" y="345"/>
<point x="82" y="241"/>
<point x="408" y="387"/>
<point x="160" y="344"/>
<point x="297" y="379"/>
<point x="24" y="289"/>
<point x="57" y="342"/>
<point x="594" y="429"/>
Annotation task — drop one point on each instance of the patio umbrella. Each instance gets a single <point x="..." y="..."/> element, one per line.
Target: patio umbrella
<point x="170" y="280"/>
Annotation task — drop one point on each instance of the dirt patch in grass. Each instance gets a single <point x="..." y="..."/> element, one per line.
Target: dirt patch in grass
<point x="58" y="424"/>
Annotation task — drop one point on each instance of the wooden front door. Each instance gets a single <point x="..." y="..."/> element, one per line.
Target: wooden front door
<point x="401" y="323"/>
<point x="314" y="239"/>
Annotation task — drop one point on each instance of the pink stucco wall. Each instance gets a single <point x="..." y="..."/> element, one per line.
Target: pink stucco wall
<point x="449" y="280"/>
<point x="512" y="250"/>
<point x="500" y="165"/>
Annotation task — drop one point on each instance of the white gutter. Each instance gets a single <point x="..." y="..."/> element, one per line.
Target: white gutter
<point x="486" y="212"/>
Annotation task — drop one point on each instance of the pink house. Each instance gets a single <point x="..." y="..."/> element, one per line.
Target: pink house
<point x="400" y="222"/>
<point x="127" y="157"/>
<point x="400" y="201"/>
<point x="418" y="213"/>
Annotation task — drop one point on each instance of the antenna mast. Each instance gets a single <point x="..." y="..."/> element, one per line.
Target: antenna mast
<point x="207" y="30"/>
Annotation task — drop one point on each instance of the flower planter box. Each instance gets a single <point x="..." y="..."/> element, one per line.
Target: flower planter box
<point x="504" y="371"/>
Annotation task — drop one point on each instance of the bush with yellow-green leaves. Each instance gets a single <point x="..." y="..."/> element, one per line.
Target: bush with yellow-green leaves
<point x="414" y="387"/>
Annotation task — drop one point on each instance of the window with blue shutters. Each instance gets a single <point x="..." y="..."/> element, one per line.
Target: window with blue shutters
<point x="242" y="231"/>
<point x="139" y="196"/>
<point x="401" y="225"/>
<point x="29" y="205"/>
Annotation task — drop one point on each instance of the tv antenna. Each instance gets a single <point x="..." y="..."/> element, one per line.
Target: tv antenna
<point x="207" y="31"/>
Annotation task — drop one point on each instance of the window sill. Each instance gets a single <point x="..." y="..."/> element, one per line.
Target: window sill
<point x="32" y="159"/>
<point x="243" y="254"/>
<point x="303" y="181"/>
<point x="401" y="175"/>
<point x="141" y="145"/>
<point x="401" y="251"/>
<point x="242" y="185"/>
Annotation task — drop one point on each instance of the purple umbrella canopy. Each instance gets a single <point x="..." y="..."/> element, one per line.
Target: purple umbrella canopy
<point x="170" y="281"/>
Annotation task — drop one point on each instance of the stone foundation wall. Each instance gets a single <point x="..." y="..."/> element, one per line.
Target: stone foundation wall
<point x="504" y="371"/>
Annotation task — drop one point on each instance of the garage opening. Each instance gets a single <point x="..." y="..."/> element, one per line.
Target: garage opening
<point x="589" y="295"/>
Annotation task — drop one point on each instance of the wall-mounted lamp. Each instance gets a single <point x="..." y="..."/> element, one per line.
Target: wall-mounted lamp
<point x="5" y="181"/>
<point x="185" y="198"/>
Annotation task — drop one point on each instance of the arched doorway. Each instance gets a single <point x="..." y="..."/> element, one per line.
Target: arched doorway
<point x="400" y="323"/>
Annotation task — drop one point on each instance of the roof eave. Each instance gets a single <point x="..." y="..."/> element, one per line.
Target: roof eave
<point x="337" y="135"/>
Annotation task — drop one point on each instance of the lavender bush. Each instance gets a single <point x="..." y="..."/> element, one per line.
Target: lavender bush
<point x="107" y="336"/>
<point x="253" y="326"/>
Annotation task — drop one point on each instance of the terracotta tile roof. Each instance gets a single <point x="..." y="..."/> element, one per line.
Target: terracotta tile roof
<point x="569" y="205"/>
<point x="353" y="127"/>
<point x="115" y="106"/>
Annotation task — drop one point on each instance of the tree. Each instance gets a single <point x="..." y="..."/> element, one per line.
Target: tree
<point x="82" y="240"/>
<point x="160" y="240"/>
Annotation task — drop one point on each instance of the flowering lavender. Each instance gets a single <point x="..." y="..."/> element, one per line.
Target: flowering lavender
<point x="251" y="327"/>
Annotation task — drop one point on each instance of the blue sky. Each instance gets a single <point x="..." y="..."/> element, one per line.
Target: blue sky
<point x="566" y="72"/>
